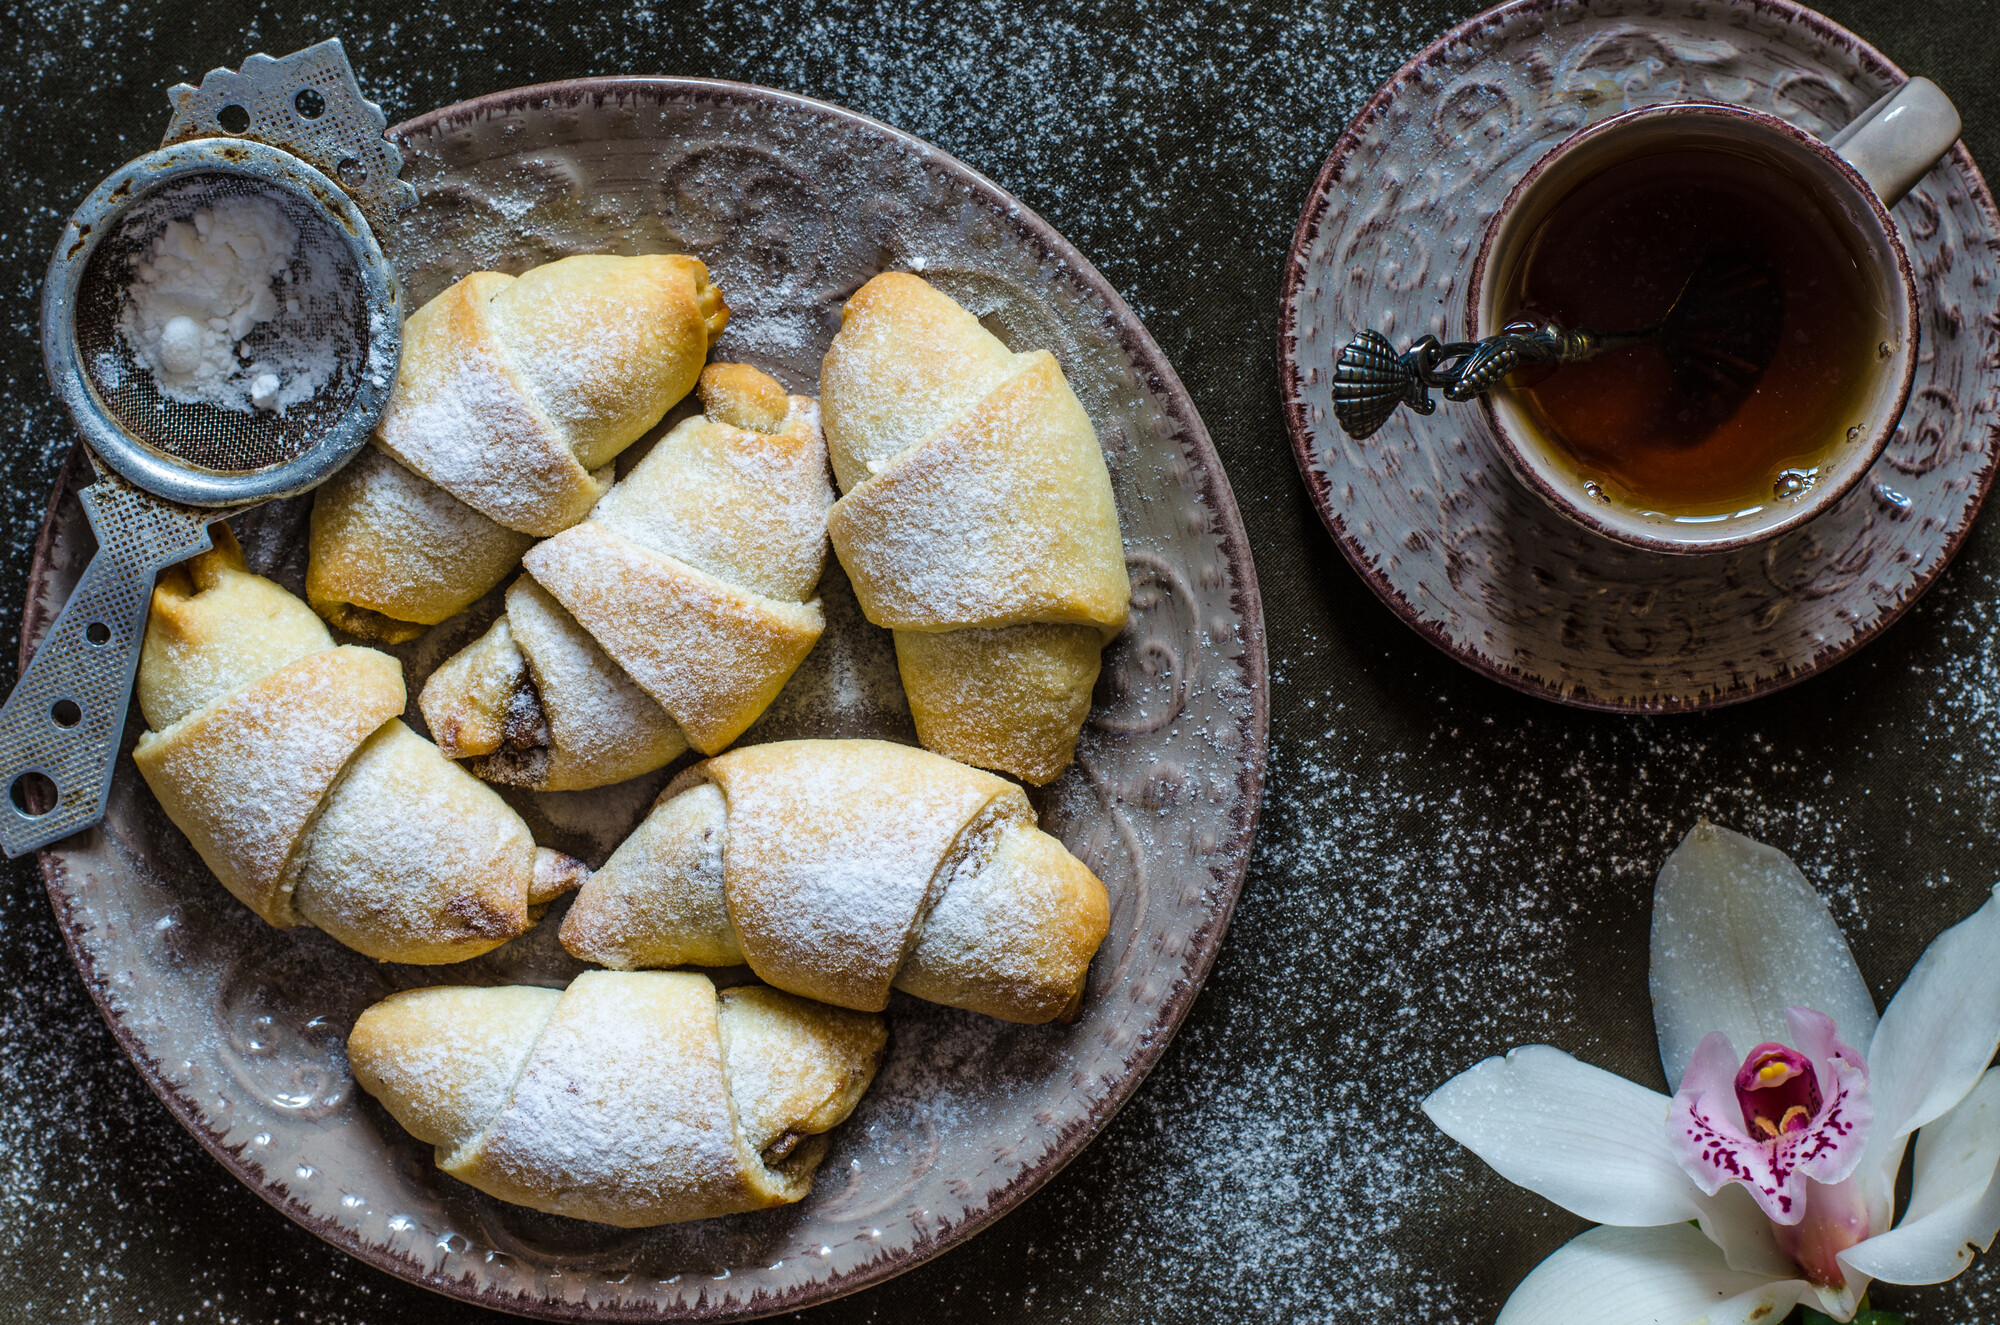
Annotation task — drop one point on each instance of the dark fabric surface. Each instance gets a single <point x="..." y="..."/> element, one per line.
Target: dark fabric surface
<point x="1445" y="868"/>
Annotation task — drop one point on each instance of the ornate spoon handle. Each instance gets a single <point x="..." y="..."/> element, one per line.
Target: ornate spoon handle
<point x="1370" y="379"/>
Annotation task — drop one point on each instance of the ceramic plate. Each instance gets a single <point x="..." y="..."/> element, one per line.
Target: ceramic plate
<point x="1426" y="508"/>
<point x="793" y="204"/>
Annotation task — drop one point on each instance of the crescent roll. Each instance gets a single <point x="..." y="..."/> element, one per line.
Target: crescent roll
<point x="513" y="398"/>
<point x="284" y="760"/>
<point x="671" y="618"/>
<point x="630" y="1098"/>
<point x="838" y="869"/>
<point x="977" y="523"/>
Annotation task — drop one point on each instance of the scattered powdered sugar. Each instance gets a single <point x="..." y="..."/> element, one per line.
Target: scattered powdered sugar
<point x="200" y="291"/>
<point x="1445" y="871"/>
<point x="1409" y="909"/>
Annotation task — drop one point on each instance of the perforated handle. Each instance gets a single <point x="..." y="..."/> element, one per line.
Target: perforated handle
<point x="60" y="729"/>
<point x="308" y="103"/>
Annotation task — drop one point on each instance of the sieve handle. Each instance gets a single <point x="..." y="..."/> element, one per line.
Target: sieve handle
<point x="65" y="719"/>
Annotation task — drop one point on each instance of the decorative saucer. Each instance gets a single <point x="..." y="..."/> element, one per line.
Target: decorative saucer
<point x="1427" y="510"/>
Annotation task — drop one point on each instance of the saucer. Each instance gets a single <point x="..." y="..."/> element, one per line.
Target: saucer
<point x="1426" y="508"/>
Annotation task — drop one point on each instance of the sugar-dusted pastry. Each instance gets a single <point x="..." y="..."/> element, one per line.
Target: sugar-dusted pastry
<point x="841" y="869"/>
<point x="514" y="396"/>
<point x="630" y="1098"/>
<point x="672" y="617"/>
<point x="977" y="524"/>
<point x="284" y="760"/>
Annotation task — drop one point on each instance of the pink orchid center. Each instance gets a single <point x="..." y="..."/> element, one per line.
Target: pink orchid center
<point x="1778" y="1091"/>
<point x="1788" y="1125"/>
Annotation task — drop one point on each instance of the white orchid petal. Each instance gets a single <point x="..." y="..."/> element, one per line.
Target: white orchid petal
<point x="1840" y="1303"/>
<point x="1739" y="935"/>
<point x="1954" y="1202"/>
<point x="1646" y="1276"/>
<point x="1587" y="1139"/>
<point x="1958" y="1153"/>
<point x="1938" y="1033"/>
<point x="1733" y="1222"/>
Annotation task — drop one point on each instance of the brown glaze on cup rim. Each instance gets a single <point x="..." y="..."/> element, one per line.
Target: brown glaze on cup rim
<point x="1857" y="462"/>
<point x="1232" y="856"/>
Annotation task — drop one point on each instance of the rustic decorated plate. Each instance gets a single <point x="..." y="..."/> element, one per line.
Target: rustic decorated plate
<point x="1427" y="510"/>
<point x="792" y="203"/>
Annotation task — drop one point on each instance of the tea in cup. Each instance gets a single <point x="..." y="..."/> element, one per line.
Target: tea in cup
<point x="1792" y="308"/>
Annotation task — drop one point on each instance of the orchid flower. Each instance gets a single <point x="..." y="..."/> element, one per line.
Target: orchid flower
<point x="1768" y="1179"/>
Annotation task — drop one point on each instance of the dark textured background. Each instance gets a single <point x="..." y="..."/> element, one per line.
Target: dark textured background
<point x="1445" y="868"/>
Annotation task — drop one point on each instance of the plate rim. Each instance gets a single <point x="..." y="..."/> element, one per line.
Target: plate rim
<point x="1319" y="488"/>
<point x="1205" y="941"/>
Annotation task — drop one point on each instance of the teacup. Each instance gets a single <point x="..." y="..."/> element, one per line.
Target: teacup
<point x="1852" y="180"/>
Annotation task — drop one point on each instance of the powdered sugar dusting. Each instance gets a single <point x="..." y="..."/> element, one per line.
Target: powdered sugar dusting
<point x="473" y="433"/>
<point x="601" y="726"/>
<point x="831" y="857"/>
<point x="440" y="538"/>
<point x="1172" y="144"/>
<point x="200" y="290"/>
<point x="622" y="1108"/>
<point x="412" y="859"/>
<point x="711" y="654"/>
<point x="735" y="504"/>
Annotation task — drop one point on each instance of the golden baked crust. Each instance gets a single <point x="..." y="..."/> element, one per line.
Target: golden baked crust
<point x="631" y="1098"/>
<point x="468" y="700"/>
<point x="282" y="758"/>
<point x="514" y="396"/>
<point x="672" y="617"/>
<point x="739" y="395"/>
<point x="243" y="775"/>
<point x="830" y="852"/>
<point x="712" y="654"/>
<point x="394" y="554"/>
<point x="997" y="519"/>
<point x="1014" y="697"/>
<point x="215" y="628"/>
<point x="465" y="417"/>
<point x="1013" y="937"/>
<point x="512" y="390"/>
<point x="659" y="901"/>
<point x="908" y="361"/>
<point x="977" y="503"/>
<point x="826" y="865"/>
<point x="412" y="860"/>
<point x="742" y="505"/>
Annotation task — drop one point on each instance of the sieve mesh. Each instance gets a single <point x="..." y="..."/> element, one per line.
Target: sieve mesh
<point x="201" y="435"/>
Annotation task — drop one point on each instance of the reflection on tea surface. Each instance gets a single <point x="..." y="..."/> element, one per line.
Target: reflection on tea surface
<point x="1615" y="252"/>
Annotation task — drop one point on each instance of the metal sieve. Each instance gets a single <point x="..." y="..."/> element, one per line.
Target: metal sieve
<point x="298" y="133"/>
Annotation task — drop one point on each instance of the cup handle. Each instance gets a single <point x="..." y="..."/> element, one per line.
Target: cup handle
<point x="1896" y="141"/>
